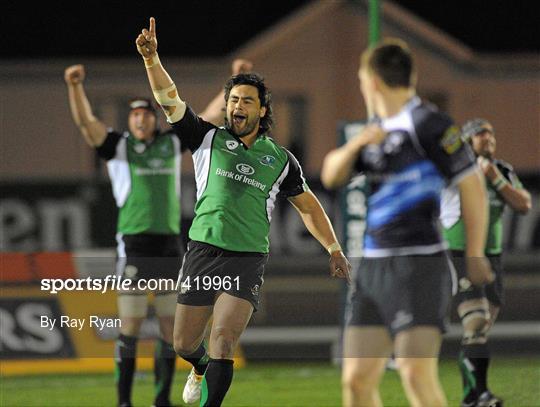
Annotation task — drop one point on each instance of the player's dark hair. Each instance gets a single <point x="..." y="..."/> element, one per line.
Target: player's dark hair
<point x="253" y="79"/>
<point x="392" y="61"/>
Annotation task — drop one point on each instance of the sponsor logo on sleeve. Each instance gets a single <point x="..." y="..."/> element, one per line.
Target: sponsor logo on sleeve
<point x="451" y="140"/>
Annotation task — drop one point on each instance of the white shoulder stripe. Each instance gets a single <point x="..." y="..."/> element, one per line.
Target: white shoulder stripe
<point x="201" y="161"/>
<point x="177" y="164"/>
<point x="271" y="200"/>
<point x="291" y="155"/>
<point x="119" y="174"/>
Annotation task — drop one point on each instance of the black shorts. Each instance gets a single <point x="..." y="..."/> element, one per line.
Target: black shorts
<point x="208" y="270"/>
<point x="148" y="256"/>
<point x="400" y="292"/>
<point x="494" y="291"/>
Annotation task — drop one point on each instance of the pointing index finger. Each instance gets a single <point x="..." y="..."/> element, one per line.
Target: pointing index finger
<point x="152" y="26"/>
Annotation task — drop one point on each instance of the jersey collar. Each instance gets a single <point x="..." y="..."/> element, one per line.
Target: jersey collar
<point x="259" y="137"/>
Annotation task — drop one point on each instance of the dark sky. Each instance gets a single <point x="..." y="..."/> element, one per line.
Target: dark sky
<point x="484" y="25"/>
<point x="206" y="28"/>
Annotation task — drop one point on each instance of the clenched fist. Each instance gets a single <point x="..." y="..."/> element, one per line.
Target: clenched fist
<point x="147" y="41"/>
<point x="74" y="74"/>
<point x="479" y="271"/>
<point x="488" y="168"/>
<point x="241" y="66"/>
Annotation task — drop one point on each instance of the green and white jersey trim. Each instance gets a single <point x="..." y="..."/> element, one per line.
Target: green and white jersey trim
<point x="237" y="186"/>
<point x="118" y="169"/>
<point x="452" y="222"/>
<point x="177" y="166"/>
<point x="201" y="162"/>
<point x="145" y="179"/>
<point x="450" y="206"/>
<point x="271" y="201"/>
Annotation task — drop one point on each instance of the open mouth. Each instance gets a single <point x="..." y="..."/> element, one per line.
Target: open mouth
<point x="238" y="119"/>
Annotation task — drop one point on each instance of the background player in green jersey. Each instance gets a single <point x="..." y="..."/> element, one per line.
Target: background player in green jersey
<point x="478" y="307"/>
<point x="144" y="168"/>
<point x="239" y="171"/>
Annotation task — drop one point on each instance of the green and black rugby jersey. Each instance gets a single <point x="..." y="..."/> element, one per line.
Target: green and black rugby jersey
<point x="237" y="186"/>
<point x="145" y="180"/>
<point x="452" y="221"/>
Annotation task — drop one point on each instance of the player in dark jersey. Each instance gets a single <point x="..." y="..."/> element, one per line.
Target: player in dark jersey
<point x="401" y="289"/>
<point x="239" y="172"/>
<point x="144" y="168"/>
<point x="478" y="307"/>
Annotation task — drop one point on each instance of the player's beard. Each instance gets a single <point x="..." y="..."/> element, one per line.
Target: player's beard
<point x="244" y="128"/>
<point x="488" y="150"/>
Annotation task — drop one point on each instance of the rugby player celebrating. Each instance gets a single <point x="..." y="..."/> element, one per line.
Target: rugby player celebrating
<point x="239" y="172"/>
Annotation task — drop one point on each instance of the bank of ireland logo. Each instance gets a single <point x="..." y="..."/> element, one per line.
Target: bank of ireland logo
<point x="231" y="144"/>
<point x="245" y="169"/>
<point x="267" y="160"/>
<point x="155" y="163"/>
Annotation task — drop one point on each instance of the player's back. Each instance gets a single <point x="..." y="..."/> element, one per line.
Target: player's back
<point x="406" y="174"/>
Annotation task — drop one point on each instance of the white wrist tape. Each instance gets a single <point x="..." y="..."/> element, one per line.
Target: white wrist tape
<point x="151" y="61"/>
<point x="171" y="103"/>
<point x="334" y="247"/>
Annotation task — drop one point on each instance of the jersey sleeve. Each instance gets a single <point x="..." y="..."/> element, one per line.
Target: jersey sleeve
<point x="191" y="130"/>
<point x="107" y="150"/>
<point x="294" y="182"/>
<point x="173" y="133"/>
<point x="442" y="142"/>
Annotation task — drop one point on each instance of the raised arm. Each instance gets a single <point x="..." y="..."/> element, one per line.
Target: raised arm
<point x="318" y="224"/>
<point x="163" y="87"/>
<point x="93" y="130"/>
<point x="474" y="208"/>
<point x="338" y="164"/>
<point x="215" y="111"/>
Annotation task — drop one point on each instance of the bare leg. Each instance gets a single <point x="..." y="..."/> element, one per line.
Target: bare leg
<point x="189" y="327"/>
<point x="417" y="351"/>
<point x="231" y="316"/>
<point x="366" y="350"/>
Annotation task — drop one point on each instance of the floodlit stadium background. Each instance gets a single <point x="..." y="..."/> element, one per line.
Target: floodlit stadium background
<point x="57" y="211"/>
